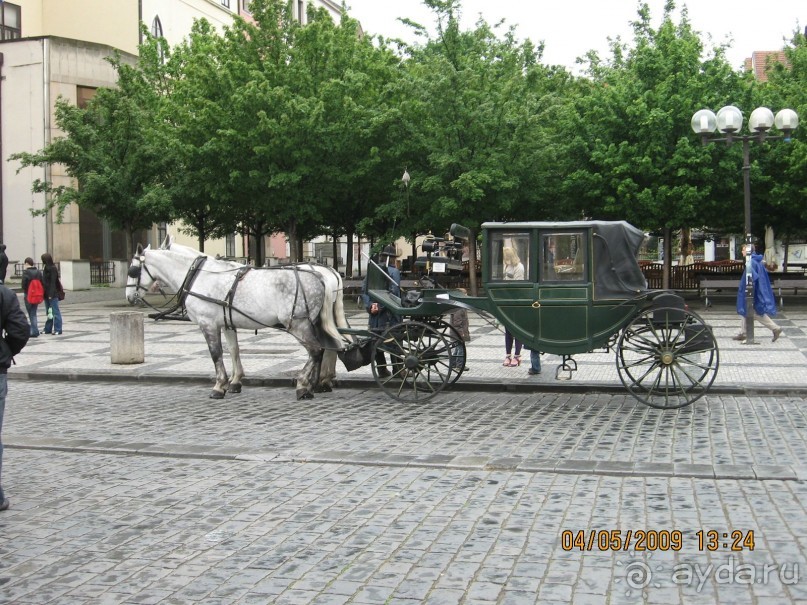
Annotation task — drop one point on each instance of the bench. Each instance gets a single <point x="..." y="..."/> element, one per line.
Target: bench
<point x="779" y="284"/>
<point x="717" y="285"/>
<point x="794" y="284"/>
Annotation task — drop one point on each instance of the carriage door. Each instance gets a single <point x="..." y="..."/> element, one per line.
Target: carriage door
<point x="563" y="288"/>
<point x="510" y="284"/>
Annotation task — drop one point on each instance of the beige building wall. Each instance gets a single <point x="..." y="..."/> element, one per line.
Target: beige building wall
<point x="40" y="71"/>
<point x="110" y="22"/>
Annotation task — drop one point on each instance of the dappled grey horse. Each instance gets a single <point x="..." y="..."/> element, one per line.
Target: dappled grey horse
<point x="221" y="296"/>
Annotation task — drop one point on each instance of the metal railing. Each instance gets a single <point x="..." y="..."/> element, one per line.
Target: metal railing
<point x="102" y="272"/>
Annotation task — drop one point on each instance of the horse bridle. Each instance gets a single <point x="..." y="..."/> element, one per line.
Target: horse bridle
<point x="137" y="272"/>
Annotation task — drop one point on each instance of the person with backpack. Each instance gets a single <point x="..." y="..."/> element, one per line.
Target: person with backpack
<point x="34" y="289"/>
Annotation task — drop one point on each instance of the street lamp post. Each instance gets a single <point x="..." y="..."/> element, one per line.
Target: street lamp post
<point x="729" y="121"/>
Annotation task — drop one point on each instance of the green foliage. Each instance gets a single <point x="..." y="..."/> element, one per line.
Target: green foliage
<point x="273" y="126"/>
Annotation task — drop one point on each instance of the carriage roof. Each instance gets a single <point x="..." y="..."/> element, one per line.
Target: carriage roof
<point x="615" y="246"/>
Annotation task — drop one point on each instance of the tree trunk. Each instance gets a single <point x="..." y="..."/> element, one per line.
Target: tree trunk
<point x="335" y="251"/>
<point x="291" y="234"/>
<point x="300" y="250"/>
<point x="349" y="254"/>
<point x="665" y="272"/>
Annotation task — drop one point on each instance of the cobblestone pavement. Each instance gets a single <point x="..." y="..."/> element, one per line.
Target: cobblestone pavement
<point x="148" y="492"/>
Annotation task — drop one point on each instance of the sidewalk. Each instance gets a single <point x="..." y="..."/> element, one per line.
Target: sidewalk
<point x="176" y="350"/>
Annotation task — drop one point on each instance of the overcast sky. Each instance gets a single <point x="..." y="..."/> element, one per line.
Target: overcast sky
<point x="570" y="28"/>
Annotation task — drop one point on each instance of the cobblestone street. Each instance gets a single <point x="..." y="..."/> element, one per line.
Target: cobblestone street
<point x="154" y="494"/>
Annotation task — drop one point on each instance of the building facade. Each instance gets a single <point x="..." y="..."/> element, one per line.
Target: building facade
<point x="55" y="48"/>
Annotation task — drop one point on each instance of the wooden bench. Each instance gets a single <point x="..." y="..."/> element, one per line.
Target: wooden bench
<point x="794" y="284"/>
<point x="779" y="284"/>
<point x="717" y="285"/>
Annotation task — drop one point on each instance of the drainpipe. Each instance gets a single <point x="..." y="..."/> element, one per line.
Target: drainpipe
<point x="46" y="48"/>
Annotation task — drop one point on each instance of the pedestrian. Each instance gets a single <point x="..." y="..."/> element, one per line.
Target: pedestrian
<point x="380" y="318"/>
<point x="535" y="362"/>
<point x="513" y="270"/>
<point x="764" y="298"/>
<point x="33" y="287"/>
<point x="53" y="287"/>
<point x="3" y="263"/>
<point x="14" y="333"/>
<point x="459" y="321"/>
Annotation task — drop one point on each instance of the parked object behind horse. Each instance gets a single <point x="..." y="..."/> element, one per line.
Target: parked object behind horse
<point x="224" y="296"/>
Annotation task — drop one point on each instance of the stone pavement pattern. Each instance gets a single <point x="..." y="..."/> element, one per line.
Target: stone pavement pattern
<point x="148" y="492"/>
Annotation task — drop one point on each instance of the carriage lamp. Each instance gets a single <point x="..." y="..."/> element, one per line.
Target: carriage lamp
<point x="729" y="122"/>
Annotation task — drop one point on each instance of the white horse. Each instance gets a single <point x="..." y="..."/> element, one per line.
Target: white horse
<point x="221" y="295"/>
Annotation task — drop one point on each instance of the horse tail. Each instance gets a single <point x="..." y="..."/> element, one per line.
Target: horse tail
<point x="339" y="305"/>
<point x="332" y="313"/>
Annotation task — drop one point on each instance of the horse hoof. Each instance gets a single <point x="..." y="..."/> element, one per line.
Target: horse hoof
<point x="303" y="394"/>
<point x="235" y="388"/>
<point x="216" y="395"/>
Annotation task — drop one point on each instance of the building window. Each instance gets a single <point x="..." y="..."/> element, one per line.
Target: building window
<point x="83" y="96"/>
<point x="157" y="28"/>
<point x="10" y="21"/>
<point x="301" y="11"/>
<point x="162" y="232"/>
<point x="225" y="3"/>
<point x="245" y="5"/>
<point x="229" y="245"/>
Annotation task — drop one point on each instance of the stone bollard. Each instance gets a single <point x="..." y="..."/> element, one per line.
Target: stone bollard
<point x="126" y="337"/>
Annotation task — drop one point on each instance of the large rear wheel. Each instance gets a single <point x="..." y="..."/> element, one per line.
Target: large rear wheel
<point x="418" y="361"/>
<point x="667" y="358"/>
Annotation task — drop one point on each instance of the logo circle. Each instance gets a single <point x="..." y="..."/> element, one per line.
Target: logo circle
<point x="638" y="575"/>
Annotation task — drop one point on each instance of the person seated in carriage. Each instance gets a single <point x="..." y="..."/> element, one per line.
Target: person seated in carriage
<point x="380" y="318"/>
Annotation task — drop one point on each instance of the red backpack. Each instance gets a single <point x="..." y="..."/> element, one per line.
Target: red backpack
<point x="36" y="293"/>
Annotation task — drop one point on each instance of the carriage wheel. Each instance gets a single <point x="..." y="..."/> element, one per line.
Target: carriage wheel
<point x="418" y="358"/>
<point x="458" y="350"/>
<point x="667" y="358"/>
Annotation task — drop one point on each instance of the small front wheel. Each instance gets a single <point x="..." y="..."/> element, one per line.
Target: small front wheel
<point x="418" y="361"/>
<point x="667" y="358"/>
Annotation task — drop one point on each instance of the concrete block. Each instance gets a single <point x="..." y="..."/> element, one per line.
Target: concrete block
<point x="126" y="337"/>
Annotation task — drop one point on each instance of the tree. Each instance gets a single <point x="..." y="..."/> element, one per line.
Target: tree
<point x="111" y="150"/>
<point x="643" y="163"/>
<point x="470" y="128"/>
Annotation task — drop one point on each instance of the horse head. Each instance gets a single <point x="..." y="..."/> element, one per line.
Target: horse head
<point x="140" y="279"/>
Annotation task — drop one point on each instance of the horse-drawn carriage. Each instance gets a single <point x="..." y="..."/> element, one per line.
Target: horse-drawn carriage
<point x="579" y="289"/>
<point x="582" y="290"/>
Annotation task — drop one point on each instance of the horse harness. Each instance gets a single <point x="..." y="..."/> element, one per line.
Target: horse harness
<point x="226" y="304"/>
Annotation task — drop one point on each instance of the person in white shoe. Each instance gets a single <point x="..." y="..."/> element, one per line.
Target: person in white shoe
<point x="764" y="299"/>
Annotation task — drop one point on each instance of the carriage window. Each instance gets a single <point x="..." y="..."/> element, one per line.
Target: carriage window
<point x="563" y="257"/>
<point x="509" y="256"/>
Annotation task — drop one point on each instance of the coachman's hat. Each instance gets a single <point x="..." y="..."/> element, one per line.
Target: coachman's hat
<point x="390" y="250"/>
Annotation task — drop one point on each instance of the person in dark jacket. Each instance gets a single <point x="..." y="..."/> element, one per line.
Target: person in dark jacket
<point x="50" y="275"/>
<point x="3" y="263"/>
<point x="14" y="332"/>
<point x="28" y="274"/>
<point x="380" y="317"/>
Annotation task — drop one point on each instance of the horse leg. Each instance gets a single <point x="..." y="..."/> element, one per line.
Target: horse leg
<point x="309" y="375"/>
<point x="213" y="337"/>
<point x="235" y="356"/>
<point x="327" y="373"/>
